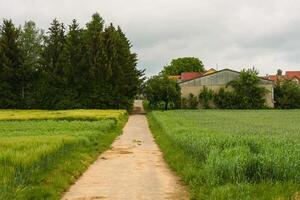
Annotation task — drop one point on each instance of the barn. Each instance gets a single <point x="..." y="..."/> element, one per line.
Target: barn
<point x="219" y="79"/>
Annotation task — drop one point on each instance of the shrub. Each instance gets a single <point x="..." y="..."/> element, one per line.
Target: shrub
<point x="287" y="94"/>
<point x="184" y="103"/>
<point x="192" y="102"/>
<point x="206" y="97"/>
<point x="225" y="99"/>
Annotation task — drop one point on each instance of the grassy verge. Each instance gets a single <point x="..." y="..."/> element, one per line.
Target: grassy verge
<point x="232" y="154"/>
<point x="39" y="159"/>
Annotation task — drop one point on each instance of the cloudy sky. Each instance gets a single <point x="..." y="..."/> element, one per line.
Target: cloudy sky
<point x="225" y="33"/>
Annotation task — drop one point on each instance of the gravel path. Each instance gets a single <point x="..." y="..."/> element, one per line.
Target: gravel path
<point x="132" y="169"/>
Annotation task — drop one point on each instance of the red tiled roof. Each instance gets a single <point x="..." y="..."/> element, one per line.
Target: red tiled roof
<point x="190" y="75"/>
<point x="293" y="74"/>
<point x="276" y="77"/>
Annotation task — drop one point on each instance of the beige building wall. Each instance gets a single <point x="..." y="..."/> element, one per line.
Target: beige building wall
<point x="219" y="80"/>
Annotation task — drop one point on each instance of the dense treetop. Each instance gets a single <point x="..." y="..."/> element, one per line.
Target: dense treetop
<point x="185" y="64"/>
<point x="67" y="67"/>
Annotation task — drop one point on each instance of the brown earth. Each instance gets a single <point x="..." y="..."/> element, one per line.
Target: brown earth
<point x="132" y="169"/>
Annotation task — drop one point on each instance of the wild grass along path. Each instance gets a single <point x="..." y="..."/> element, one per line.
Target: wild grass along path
<point x="132" y="169"/>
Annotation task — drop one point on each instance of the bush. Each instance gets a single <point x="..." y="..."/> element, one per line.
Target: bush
<point x="225" y="99"/>
<point x="287" y="95"/>
<point x="206" y="97"/>
<point x="192" y="102"/>
<point x="184" y="103"/>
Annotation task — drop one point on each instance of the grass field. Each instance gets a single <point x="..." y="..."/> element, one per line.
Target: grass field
<point x="232" y="154"/>
<point x="43" y="152"/>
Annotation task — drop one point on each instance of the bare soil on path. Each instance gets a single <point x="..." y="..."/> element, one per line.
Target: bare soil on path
<point x="132" y="169"/>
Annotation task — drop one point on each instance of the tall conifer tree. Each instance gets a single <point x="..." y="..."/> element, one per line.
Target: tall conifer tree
<point x="31" y="47"/>
<point x="91" y="67"/>
<point x="53" y="81"/>
<point x="11" y="62"/>
<point x="77" y="69"/>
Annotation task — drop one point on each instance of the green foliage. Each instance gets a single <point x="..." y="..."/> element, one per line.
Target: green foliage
<point x="185" y="64"/>
<point x="287" y="95"/>
<point x="31" y="46"/>
<point x="225" y="99"/>
<point x="90" y="67"/>
<point x="206" y="97"/>
<point x="232" y="154"/>
<point x="192" y="102"/>
<point x="53" y="59"/>
<point x="247" y="90"/>
<point x="184" y="103"/>
<point x="40" y="159"/>
<point x="160" y="89"/>
<point x="11" y="66"/>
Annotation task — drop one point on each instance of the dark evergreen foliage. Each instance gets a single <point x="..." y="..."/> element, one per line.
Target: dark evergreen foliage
<point x="91" y="67"/>
<point x="11" y="67"/>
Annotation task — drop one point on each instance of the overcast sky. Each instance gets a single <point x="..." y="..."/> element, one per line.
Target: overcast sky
<point x="229" y="33"/>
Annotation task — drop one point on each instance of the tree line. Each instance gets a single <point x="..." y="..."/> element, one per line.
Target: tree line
<point x="67" y="67"/>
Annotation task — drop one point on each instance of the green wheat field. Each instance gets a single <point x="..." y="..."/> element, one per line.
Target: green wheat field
<point x="43" y="152"/>
<point x="232" y="154"/>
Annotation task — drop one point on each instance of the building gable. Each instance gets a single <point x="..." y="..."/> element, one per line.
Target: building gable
<point x="217" y="78"/>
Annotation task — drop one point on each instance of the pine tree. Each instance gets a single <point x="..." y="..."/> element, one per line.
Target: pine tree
<point x="90" y="67"/>
<point x="76" y="68"/>
<point x="53" y="79"/>
<point x="129" y="81"/>
<point x="114" y="72"/>
<point x="95" y="56"/>
<point x="30" y="44"/>
<point x="11" y="62"/>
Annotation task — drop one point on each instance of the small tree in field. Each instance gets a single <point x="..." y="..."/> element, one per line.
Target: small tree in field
<point x="247" y="90"/>
<point x="160" y="89"/>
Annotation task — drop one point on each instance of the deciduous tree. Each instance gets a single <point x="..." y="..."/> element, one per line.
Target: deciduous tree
<point x="185" y="64"/>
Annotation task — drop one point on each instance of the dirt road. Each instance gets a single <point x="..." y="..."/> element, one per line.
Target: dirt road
<point x="132" y="169"/>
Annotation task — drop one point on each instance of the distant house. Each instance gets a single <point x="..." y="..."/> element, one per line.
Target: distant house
<point x="219" y="79"/>
<point x="293" y="75"/>
<point x="289" y="75"/>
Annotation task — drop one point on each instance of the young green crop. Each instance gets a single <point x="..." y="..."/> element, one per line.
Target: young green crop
<point x="232" y="154"/>
<point x="95" y="114"/>
<point x="43" y="152"/>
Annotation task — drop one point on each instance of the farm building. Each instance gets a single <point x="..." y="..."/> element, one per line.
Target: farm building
<point x="219" y="79"/>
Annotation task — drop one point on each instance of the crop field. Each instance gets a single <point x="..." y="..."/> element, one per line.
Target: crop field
<point x="43" y="152"/>
<point x="232" y="154"/>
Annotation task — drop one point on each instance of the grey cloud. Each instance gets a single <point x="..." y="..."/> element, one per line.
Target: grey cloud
<point x="229" y="33"/>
